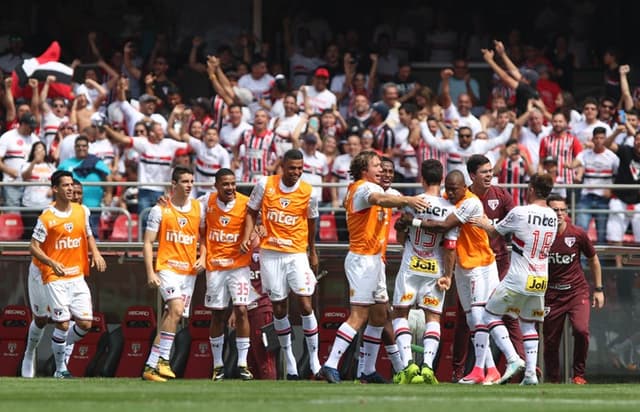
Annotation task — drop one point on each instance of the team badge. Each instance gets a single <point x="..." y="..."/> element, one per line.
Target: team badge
<point x="170" y="290"/>
<point x="12" y="346"/>
<point x="68" y="227"/>
<point x="284" y="202"/>
<point x="569" y="241"/>
<point x="83" y="350"/>
<point x="255" y="257"/>
<point x="135" y="347"/>
<point x="57" y="312"/>
<point x="224" y="220"/>
<point x="202" y="348"/>
<point x="493" y="203"/>
<point x="182" y="221"/>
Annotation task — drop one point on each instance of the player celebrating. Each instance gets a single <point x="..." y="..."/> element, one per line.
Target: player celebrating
<point x="59" y="246"/>
<point x="425" y="274"/>
<point x="366" y="219"/>
<point x="289" y="216"/>
<point x="176" y="226"/>
<point x="521" y="293"/>
<point x="227" y="269"/>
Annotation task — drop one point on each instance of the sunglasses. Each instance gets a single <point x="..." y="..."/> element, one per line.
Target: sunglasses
<point x="464" y="135"/>
<point x="557" y="209"/>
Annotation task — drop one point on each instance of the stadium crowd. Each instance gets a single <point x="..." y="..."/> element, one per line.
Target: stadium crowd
<point x="129" y="121"/>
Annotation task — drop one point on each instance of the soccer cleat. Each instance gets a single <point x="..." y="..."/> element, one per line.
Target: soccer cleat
<point x="164" y="369"/>
<point x="28" y="366"/>
<point x="512" y="368"/>
<point x="457" y="375"/>
<point x="332" y="375"/>
<point x="291" y="377"/>
<point x="579" y="380"/>
<point x="218" y="374"/>
<point x="373" y="377"/>
<point x="407" y="374"/>
<point x="476" y="377"/>
<point x="492" y="376"/>
<point x="62" y="375"/>
<point x="529" y="380"/>
<point x="418" y="379"/>
<point x="428" y="376"/>
<point x="245" y="373"/>
<point x="151" y="374"/>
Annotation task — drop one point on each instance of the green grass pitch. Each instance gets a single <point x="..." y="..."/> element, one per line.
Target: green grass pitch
<point x="123" y="395"/>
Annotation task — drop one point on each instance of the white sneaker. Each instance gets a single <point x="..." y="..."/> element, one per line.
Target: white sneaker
<point x="529" y="380"/>
<point x="512" y="368"/>
<point x="28" y="366"/>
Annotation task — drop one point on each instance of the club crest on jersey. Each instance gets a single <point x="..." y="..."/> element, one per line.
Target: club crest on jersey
<point x="285" y="202"/>
<point x="569" y="241"/>
<point x="68" y="227"/>
<point x="224" y="220"/>
<point x="493" y="203"/>
<point x="182" y="221"/>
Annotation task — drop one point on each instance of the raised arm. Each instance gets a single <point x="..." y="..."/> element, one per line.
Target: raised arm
<point x="488" y="56"/>
<point x="445" y="93"/>
<point x="194" y="64"/>
<point x="627" y="100"/>
<point x="9" y="103"/>
<point x="128" y="61"/>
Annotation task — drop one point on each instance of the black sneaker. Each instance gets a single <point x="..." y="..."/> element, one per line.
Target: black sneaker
<point x="218" y="374"/>
<point x="291" y="377"/>
<point x="373" y="377"/>
<point x="245" y="373"/>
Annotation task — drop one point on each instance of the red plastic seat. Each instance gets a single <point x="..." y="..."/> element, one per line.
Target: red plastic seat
<point x="392" y="231"/>
<point x="328" y="228"/>
<point x="138" y="330"/>
<point x="14" y="328"/>
<point x="200" y="361"/>
<point x="11" y="226"/>
<point x="120" y="232"/>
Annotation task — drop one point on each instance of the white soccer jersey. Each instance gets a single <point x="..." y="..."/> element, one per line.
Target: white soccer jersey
<point x="14" y="150"/>
<point x="208" y="161"/>
<point x="599" y="169"/>
<point x="155" y="161"/>
<point x="104" y="149"/>
<point x="422" y="253"/>
<point x="230" y="136"/>
<point x="533" y="229"/>
<point x="50" y="125"/>
<point x="340" y="169"/>
<point x="317" y="100"/>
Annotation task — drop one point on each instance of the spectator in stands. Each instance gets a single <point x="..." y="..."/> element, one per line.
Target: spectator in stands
<point x="408" y="85"/>
<point x="461" y="82"/>
<point x="258" y="81"/>
<point x="14" y="55"/>
<point x="315" y="167"/>
<point x="597" y="166"/>
<point x="38" y="168"/>
<point x="404" y="154"/>
<point x="255" y="152"/>
<point x="53" y="114"/>
<point x="15" y="146"/>
<point x="584" y="127"/>
<point x="513" y="168"/>
<point x="384" y="139"/>
<point x="461" y="111"/>
<point x="611" y="83"/>
<point x="147" y="108"/>
<point x="303" y="58"/>
<point x="391" y="99"/>
<point x="232" y="131"/>
<point x="317" y="97"/>
<point x="85" y="168"/>
<point x="158" y="84"/>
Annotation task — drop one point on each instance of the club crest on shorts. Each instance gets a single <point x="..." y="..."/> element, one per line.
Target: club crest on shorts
<point x="170" y="290"/>
<point x="493" y="203"/>
<point x="224" y="220"/>
<point x="182" y="221"/>
<point x="68" y="227"/>
<point x="570" y="241"/>
<point x="284" y="202"/>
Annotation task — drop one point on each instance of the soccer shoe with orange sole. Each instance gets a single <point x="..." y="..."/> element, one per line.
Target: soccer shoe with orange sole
<point x="492" y="377"/>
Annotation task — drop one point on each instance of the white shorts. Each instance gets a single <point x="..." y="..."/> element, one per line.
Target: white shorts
<point x="234" y="284"/>
<point x="475" y="285"/>
<point x="618" y="220"/>
<point x="285" y="272"/>
<point x="37" y="293"/>
<point x="411" y="288"/>
<point x="367" y="279"/>
<point x="174" y="286"/>
<point x="505" y="301"/>
<point x="69" y="297"/>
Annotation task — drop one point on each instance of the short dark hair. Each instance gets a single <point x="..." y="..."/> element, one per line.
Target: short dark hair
<point x="223" y="172"/>
<point x="554" y="197"/>
<point x="76" y="182"/>
<point x="432" y="172"/>
<point x="81" y="137"/>
<point x="599" y="130"/>
<point x="410" y="108"/>
<point x="475" y="161"/>
<point x="178" y="171"/>
<point x="542" y="184"/>
<point x="292" y="154"/>
<point x="58" y="175"/>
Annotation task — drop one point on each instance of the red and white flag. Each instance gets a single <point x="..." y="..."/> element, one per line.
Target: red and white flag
<point x="39" y="68"/>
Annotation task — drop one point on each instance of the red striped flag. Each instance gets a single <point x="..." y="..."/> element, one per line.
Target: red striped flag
<point x="39" y="68"/>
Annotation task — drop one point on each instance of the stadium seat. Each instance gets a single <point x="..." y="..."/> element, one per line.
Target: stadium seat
<point x="83" y="358"/>
<point x="138" y="331"/>
<point x="444" y="364"/>
<point x="120" y="232"/>
<point x="14" y="328"/>
<point x="328" y="228"/>
<point x="11" y="226"/>
<point x="199" y="363"/>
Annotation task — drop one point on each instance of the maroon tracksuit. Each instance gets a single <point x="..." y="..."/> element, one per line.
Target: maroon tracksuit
<point x="261" y="362"/>
<point x="497" y="202"/>
<point x="567" y="294"/>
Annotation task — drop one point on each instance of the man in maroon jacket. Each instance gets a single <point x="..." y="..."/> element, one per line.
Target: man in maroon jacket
<point x="568" y="293"/>
<point x="497" y="202"/>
